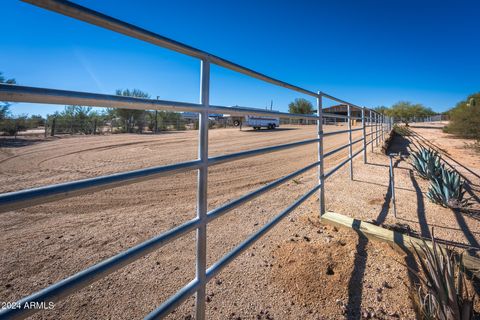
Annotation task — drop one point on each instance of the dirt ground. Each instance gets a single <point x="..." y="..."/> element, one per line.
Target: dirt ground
<point x="300" y="270"/>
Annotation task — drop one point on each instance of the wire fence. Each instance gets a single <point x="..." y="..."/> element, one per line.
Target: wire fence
<point x="372" y="125"/>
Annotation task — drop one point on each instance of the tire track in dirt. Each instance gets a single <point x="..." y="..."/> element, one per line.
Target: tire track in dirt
<point x="104" y="148"/>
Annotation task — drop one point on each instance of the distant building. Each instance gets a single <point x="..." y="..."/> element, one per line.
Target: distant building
<point x="341" y="109"/>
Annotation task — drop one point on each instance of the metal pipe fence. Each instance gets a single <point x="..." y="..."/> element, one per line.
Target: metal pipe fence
<point x="30" y="197"/>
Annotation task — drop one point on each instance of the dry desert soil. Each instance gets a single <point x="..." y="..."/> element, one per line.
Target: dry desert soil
<point x="301" y="269"/>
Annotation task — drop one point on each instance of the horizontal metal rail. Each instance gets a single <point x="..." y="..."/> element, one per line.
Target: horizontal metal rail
<point x="15" y="93"/>
<point x="30" y="197"/>
<point x="341" y="116"/>
<point x="331" y="152"/>
<point x="340" y="100"/>
<point x="255" y="152"/>
<point x="332" y="133"/>
<point x="341" y="164"/>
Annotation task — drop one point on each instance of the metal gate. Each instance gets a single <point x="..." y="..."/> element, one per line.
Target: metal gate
<point x="378" y="124"/>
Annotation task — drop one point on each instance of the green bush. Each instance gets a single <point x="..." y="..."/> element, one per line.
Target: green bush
<point x="465" y="118"/>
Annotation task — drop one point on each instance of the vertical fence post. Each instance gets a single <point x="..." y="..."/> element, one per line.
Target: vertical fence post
<point x="376" y="128"/>
<point x="321" y="176"/>
<point x="364" y="135"/>
<point x="350" y="153"/>
<point x="52" y="129"/>
<point x="372" y="135"/>
<point x="46" y="126"/>
<point x="382" y="118"/>
<point x="201" y="266"/>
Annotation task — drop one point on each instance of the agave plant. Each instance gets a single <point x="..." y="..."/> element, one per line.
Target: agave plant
<point x="443" y="293"/>
<point x="446" y="189"/>
<point x="426" y="162"/>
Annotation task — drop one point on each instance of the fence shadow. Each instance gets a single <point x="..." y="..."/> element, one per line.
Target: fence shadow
<point x="467" y="232"/>
<point x="399" y="145"/>
<point x="422" y="220"/>
<point x="382" y="216"/>
<point x="355" y="284"/>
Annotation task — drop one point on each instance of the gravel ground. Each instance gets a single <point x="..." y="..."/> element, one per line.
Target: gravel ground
<point x="300" y="270"/>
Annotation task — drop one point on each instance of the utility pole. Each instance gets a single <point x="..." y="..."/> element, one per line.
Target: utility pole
<point x="156" y="119"/>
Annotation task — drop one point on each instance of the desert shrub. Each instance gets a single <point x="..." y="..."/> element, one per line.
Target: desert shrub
<point x="11" y="126"/>
<point x="442" y="293"/>
<point x="465" y="118"/>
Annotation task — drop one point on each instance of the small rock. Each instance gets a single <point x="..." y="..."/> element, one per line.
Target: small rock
<point x="47" y="237"/>
<point x="379" y="297"/>
<point x="8" y="285"/>
<point x="365" y="315"/>
<point x="379" y="290"/>
<point x="319" y="231"/>
<point x="306" y="238"/>
<point x="335" y="229"/>
<point x="292" y="219"/>
<point x="330" y="270"/>
<point x="218" y="282"/>
<point x="386" y="285"/>
<point x="208" y="299"/>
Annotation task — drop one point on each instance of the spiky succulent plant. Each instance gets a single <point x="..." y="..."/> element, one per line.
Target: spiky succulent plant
<point x="426" y="162"/>
<point x="443" y="292"/>
<point x="446" y="189"/>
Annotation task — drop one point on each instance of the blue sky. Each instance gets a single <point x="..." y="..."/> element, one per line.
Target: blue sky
<point x="368" y="52"/>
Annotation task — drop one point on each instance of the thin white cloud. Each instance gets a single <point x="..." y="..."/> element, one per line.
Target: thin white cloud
<point x="88" y="69"/>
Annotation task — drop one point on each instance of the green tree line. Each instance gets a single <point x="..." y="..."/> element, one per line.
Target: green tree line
<point x="86" y="120"/>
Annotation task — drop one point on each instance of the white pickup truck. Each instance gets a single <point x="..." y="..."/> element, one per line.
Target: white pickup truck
<point x="262" y="122"/>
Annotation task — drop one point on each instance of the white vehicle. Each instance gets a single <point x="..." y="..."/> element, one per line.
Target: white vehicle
<point x="262" y="122"/>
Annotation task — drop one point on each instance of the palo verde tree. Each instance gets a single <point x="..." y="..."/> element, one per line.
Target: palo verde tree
<point x="300" y="106"/>
<point x="131" y="117"/>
